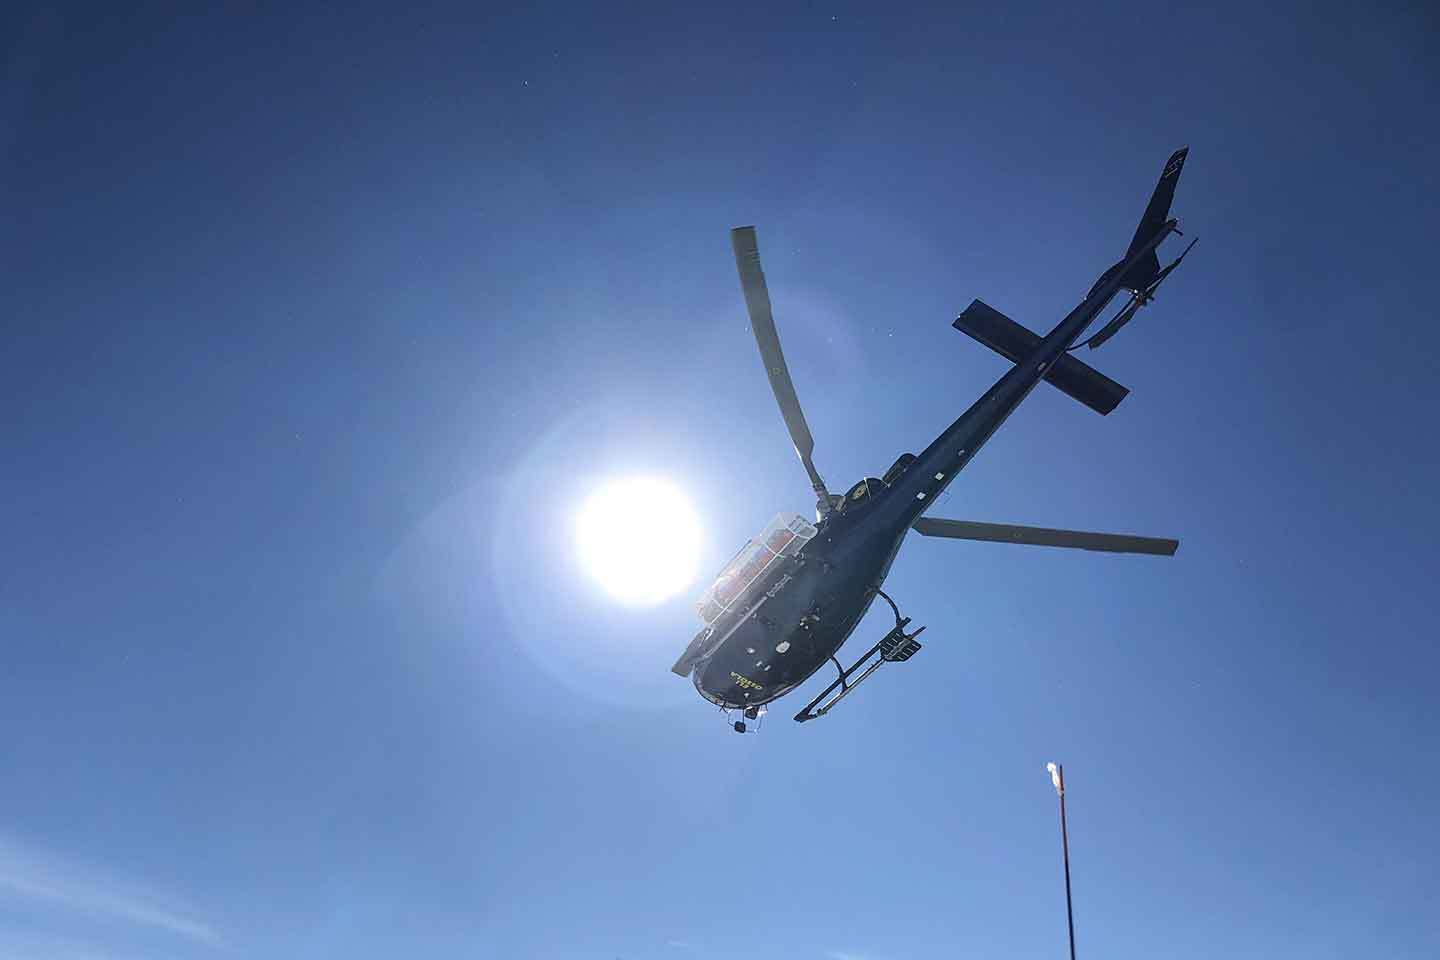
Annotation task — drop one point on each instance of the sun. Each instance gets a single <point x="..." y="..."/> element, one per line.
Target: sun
<point x="640" y="539"/>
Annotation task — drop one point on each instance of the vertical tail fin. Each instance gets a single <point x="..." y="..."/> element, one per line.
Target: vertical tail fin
<point x="1157" y="211"/>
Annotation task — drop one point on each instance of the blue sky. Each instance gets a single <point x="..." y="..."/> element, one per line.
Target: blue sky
<point x="319" y="324"/>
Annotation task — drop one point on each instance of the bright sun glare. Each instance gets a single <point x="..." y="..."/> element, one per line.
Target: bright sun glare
<point x="640" y="538"/>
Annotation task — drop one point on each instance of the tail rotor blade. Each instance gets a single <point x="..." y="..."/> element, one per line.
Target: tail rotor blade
<point x="1138" y="300"/>
<point x="1119" y="320"/>
<point x="762" y="323"/>
<point x="1166" y="272"/>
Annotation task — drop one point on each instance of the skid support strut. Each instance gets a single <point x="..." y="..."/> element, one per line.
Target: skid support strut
<point x="895" y="647"/>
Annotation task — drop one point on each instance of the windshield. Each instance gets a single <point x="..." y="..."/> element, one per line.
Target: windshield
<point x="782" y="537"/>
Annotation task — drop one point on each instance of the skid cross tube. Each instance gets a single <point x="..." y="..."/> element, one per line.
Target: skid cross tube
<point x="897" y="633"/>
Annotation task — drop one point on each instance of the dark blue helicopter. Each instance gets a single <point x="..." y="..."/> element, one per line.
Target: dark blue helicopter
<point x="791" y="597"/>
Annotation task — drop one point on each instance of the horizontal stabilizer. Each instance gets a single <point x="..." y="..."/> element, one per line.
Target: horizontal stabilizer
<point x="1045" y="537"/>
<point x="1014" y="342"/>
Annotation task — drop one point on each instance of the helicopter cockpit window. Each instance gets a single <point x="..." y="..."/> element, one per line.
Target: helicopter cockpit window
<point x="899" y="467"/>
<point x="785" y="536"/>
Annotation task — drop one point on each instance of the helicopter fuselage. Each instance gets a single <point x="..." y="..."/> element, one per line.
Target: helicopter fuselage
<point x="811" y="605"/>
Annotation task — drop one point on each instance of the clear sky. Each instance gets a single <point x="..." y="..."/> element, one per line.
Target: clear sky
<point x="319" y="323"/>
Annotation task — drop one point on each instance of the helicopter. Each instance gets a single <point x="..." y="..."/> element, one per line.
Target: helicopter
<point x="792" y="596"/>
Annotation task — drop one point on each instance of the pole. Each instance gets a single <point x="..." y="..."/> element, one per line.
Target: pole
<point x="1065" y="845"/>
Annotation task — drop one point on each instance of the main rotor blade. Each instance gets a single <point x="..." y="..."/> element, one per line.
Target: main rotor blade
<point x="1045" y="537"/>
<point x="762" y="322"/>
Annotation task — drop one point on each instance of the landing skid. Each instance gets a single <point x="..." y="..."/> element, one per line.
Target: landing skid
<point x="896" y="646"/>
